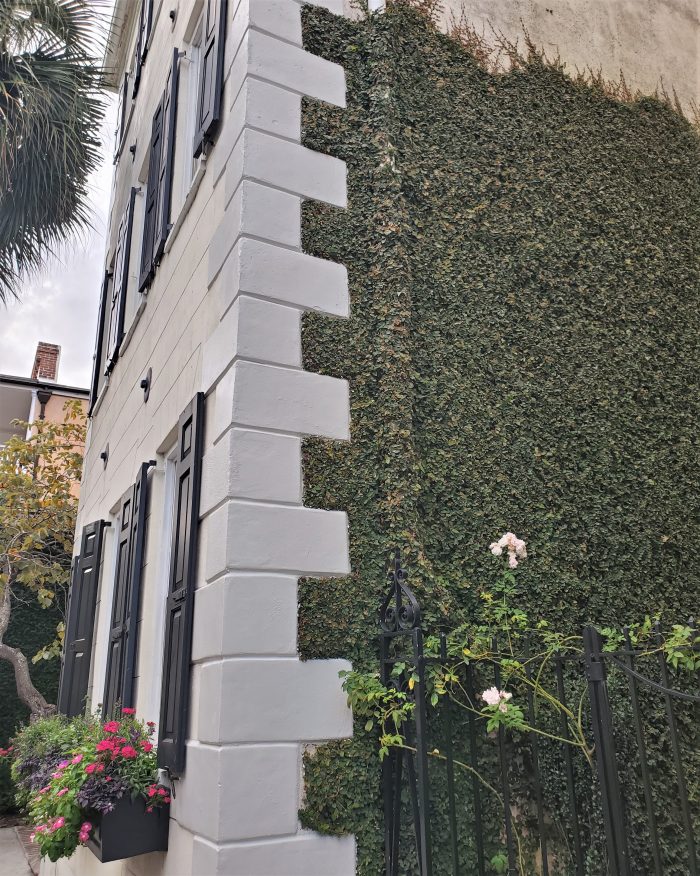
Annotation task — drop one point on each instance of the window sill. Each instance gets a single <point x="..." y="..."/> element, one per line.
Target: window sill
<point x="100" y="398"/>
<point x="185" y="209"/>
<point x="132" y="328"/>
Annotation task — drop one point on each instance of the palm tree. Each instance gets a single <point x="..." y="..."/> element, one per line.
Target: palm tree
<point x="51" y="107"/>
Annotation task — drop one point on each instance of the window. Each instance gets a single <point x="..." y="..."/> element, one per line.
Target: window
<point x="211" y="79"/>
<point x="179" y="606"/>
<point x="191" y="73"/>
<point x="116" y="303"/>
<point x="130" y="539"/>
<point x="98" y="358"/>
<point x="156" y="225"/>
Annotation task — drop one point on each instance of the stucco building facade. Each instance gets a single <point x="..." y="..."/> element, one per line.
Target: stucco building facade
<point x="192" y="530"/>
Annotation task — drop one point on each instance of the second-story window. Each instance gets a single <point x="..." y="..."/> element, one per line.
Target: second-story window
<point x="156" y="224"/>
<point x="211" y="79"/>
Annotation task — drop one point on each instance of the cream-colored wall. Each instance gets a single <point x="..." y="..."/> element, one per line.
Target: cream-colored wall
<point x="649" y="40"/>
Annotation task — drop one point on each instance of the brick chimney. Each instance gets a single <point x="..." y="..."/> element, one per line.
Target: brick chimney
<point x="46" y="361"/>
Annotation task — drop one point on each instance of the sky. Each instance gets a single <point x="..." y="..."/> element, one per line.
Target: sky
<point x="59" y="303"/>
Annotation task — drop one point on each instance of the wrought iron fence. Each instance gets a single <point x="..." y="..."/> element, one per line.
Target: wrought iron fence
<point x="581" y="810"/>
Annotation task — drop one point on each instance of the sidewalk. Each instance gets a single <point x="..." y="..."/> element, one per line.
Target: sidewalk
<point x="12" y="859"/>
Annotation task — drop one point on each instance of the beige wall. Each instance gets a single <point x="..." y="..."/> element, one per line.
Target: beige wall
<point x="649" y="40"/>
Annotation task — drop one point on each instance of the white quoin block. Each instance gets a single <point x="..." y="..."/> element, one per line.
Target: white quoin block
<point x="251" y="791"/>
<point x="252" y="329"/>
<point x="286" y="65"/>
<point x="306" y="854"/>
<point x="245" y="614"/>
<point x="277" y="17"/>
<point x="261" y="105"/>
<point x="256" y="211"/>
<point x="273" y="700"/>
<point x="287" y="166"/>
<point x="283" y="275"/>
<point x="283" y="399"/>
<point x="302" y="541"/>
<point x="247" y="464"/>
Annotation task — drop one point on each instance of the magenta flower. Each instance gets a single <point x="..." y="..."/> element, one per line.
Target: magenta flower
<point x="62" y="792"/>
<point x="77" y="758"/>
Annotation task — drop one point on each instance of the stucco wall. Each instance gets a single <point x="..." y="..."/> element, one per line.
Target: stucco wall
<point x="649" y="40"/>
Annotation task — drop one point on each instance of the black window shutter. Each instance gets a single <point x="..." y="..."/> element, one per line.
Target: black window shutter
<point x="120" y="285"/>
<point x="121" y="115"/>
<point x="77" y="646"/>
<point x="150" y="215"/>
<point x="136" y="65"/>
<point x="165" y="180"/>
<point x="145" y="24"/>
<point x="211" y="81"/>
<point x="121" y="656"/>
<point x="179" y="606"/>
<point x="99" y="341"/>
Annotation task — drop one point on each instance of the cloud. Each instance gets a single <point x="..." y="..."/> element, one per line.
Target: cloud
<point x="59" y="304"/>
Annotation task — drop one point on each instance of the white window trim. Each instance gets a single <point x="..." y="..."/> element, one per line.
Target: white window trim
<point x="162" y="580"/>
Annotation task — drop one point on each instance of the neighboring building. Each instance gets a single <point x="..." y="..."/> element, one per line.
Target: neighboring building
<point x="37" y="397"/>
<point x="192" y="530"/>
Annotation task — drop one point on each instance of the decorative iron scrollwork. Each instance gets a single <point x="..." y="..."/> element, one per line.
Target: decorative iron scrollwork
<point x="400" y="609"/>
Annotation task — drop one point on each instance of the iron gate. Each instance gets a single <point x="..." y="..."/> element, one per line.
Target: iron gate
<point x="409" y="771"/>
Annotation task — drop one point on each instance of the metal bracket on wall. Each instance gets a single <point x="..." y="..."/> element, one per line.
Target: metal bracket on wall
<point x="104" y="456"/>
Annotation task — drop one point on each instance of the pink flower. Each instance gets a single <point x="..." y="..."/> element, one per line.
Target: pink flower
<point x="90" y="768"/>
<point x="40" y="828"/>
<point x="44" y="790"/>
<point x="63" y="764"/>
<point x="112" y="727"/>
<point x="86" y="825"/>
<point x="162" y="792"/>
<point x="129" y="752"/>
<point x="126" y="711"/>
<point x="32" y="837"/>
<point x="62" y="792"/>
<point x="55" y="775"/>
<point x="58" y="823"/>
<point x="512" y="561"/>
<point x="108" y="778"/>
<point x="149" y="809"/>
<point x="147" y="746"/>
<point x="166" y="799"/>
<point x="151" y="791"/>
<point x="77" y="758"/>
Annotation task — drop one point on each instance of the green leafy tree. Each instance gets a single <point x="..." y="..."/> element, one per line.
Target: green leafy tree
<point x="51" y="107"/>
<point x="39" y="475"/>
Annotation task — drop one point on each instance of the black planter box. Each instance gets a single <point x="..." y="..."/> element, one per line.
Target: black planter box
<point x="128" y="830"/>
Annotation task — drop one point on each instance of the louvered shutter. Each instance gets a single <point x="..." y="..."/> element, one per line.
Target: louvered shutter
<point x="120" y="285"/>
<point x="77" y="646"/>
<point x="121" y="658"/>
<point x="121" y="115"/>
<point x="136" y="67"/>
<point x="150" y="215"/>
<point x="115" y="653"/>
<point x="146" y="22"/>
<point x="99" y="341"/>
<point x="179" y="606"/>
<point x="211" y="81"/>
<point x="165" y="180"/>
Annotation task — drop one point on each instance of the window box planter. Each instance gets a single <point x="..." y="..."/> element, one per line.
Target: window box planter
<point x="128" y="830"/>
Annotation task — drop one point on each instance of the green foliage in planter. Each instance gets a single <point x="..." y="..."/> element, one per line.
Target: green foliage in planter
<point x="523" y="254"/>
<point x="31" y="627"/>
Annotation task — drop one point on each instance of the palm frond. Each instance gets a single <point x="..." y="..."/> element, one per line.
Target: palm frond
<point x="51" y="107"/>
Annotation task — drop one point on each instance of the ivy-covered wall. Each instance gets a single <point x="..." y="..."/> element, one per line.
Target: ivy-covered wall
<point x="524" y="260"/>
<point x="31" y="628"/>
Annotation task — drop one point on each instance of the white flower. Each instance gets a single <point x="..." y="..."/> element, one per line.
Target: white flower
<point x="492" y="696"/>
<point x="515" y="546"/>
